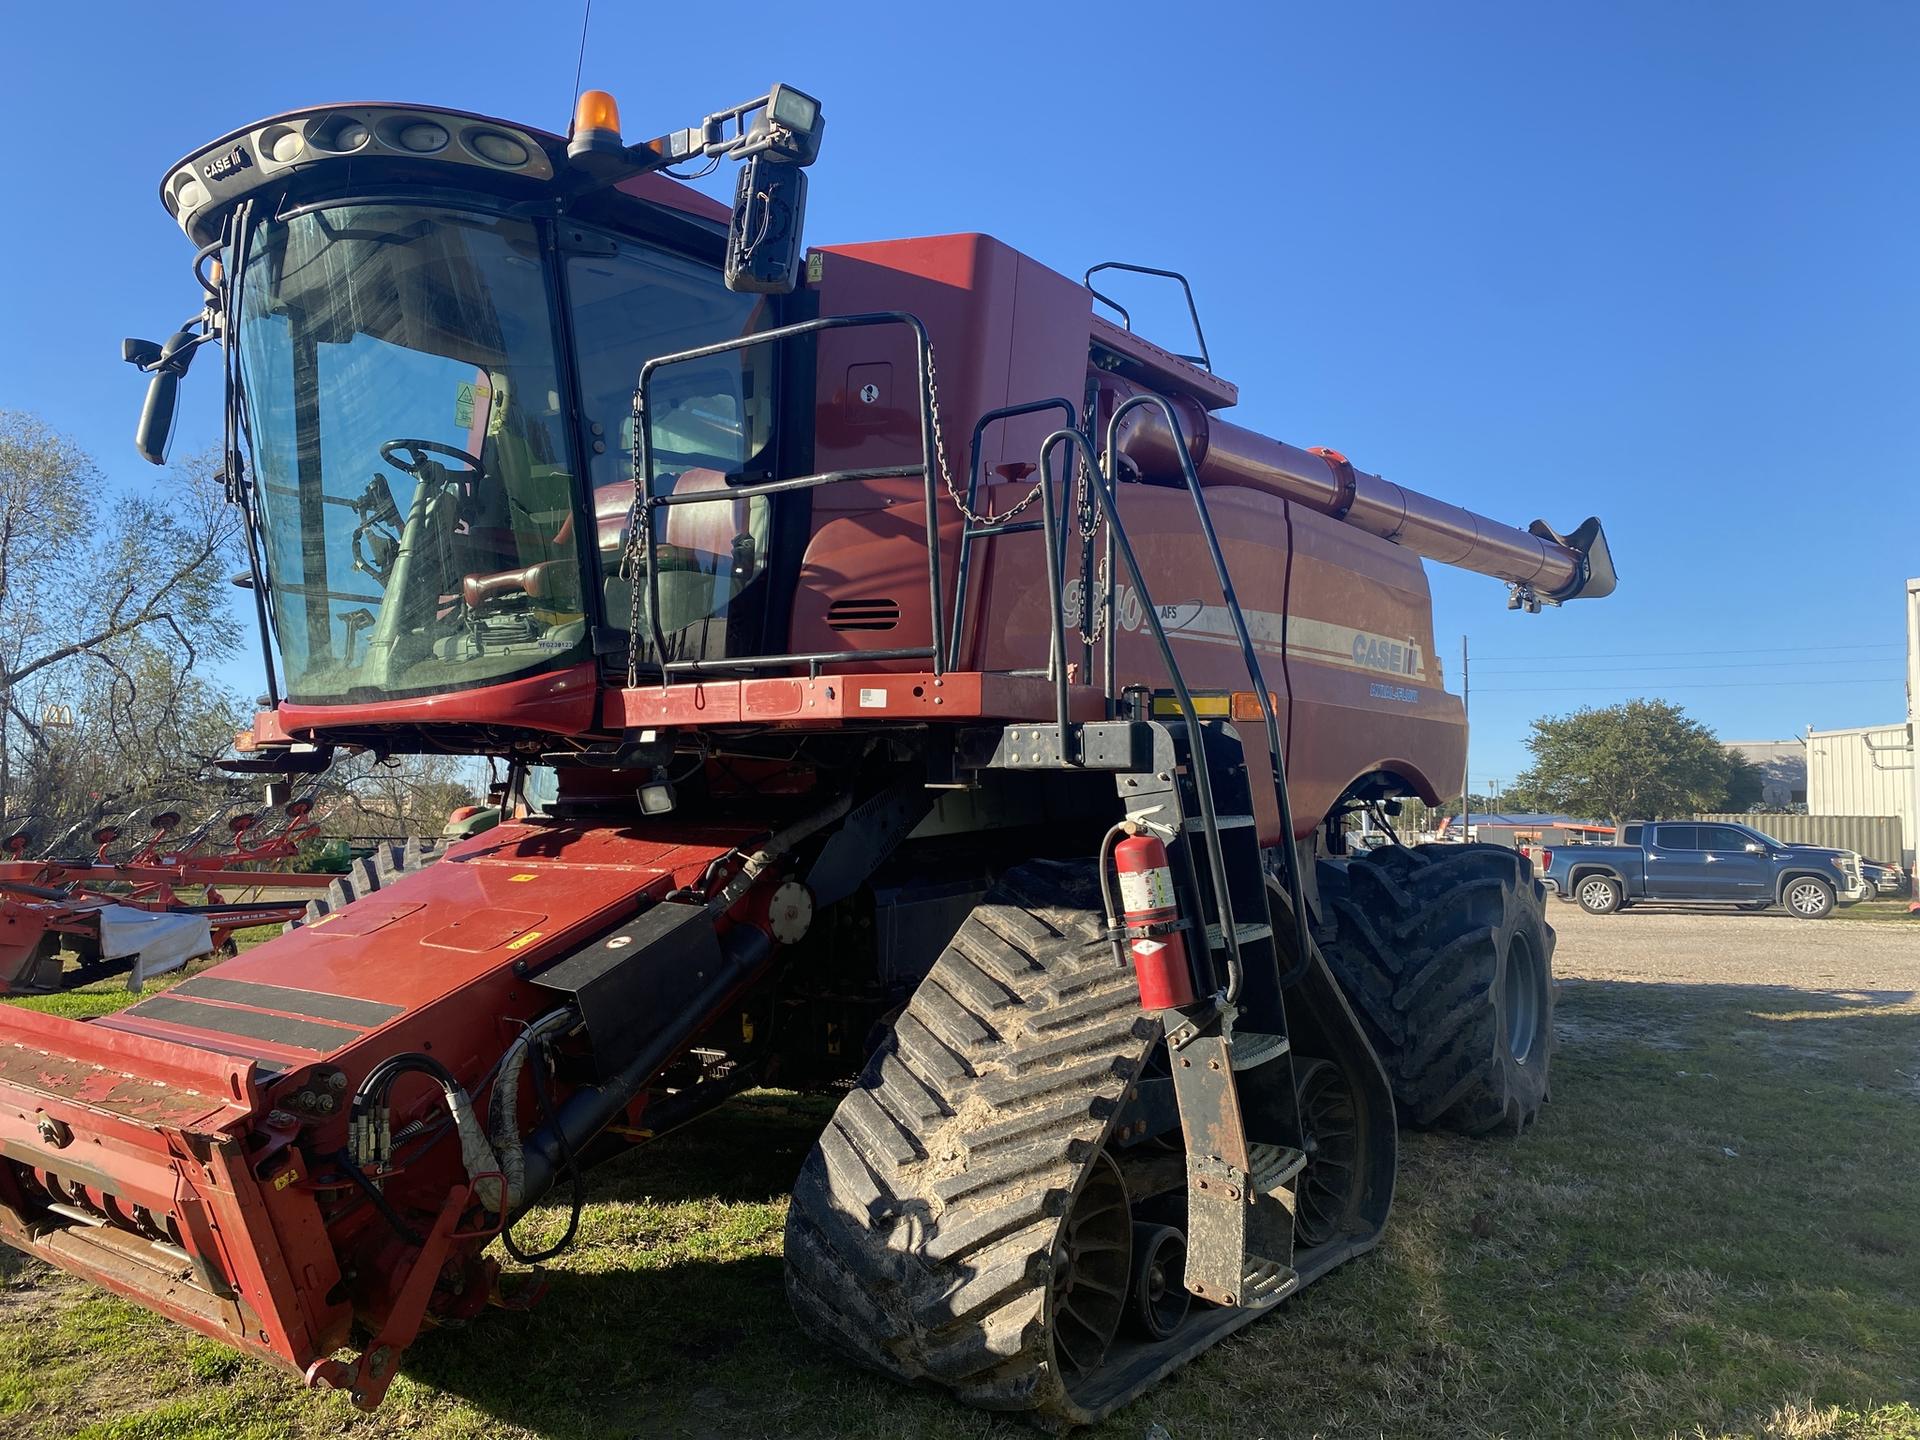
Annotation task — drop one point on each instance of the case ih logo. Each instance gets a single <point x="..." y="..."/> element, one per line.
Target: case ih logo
<point x="234" y="160"/>
<point x="1376" y="652"/>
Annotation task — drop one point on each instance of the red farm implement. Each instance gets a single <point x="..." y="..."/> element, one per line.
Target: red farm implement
<point x="147" y="897"/>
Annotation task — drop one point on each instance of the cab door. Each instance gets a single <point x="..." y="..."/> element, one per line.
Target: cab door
<point x="1675" y="868"/>
<point x="1729" y="868"/>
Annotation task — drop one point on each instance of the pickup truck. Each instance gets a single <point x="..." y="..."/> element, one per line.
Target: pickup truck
<point x="1694" y="861"/>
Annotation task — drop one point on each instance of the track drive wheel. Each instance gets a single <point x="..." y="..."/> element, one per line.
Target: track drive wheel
<point x="1446" y="956"/>
<point x="369" y="873"/>
<point x="1332" y="1184"/>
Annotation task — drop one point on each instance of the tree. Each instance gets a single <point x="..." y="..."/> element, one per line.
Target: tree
<point x="128" y="728"/>
<point x="1746" y="783"/>
<point x="104" y="602"/>
<point x="401" y="795"/>
<point x="1646" y="759"/>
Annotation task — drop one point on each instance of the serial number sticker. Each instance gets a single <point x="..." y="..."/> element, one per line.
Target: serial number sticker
<point x="873" y="699"/>
<point x="524" y="941"/>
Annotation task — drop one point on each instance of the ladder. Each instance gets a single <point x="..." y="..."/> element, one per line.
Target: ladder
<point x="1230" y="1054"/>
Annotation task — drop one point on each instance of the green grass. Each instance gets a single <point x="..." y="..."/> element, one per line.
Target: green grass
<point x="1713" y="1231"/>
<point x="1887" y="908"/>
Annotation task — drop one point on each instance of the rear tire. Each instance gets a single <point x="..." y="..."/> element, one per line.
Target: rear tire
<point x="1446" y="956"/>
<point x="1808" y="898"/>
<point x="369" y="873"/>
<point x="1599" y="895"/>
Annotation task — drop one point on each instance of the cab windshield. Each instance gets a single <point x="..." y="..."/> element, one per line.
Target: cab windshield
<point x="414" y="488"/>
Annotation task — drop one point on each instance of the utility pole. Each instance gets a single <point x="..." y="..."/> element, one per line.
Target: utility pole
<point x="1912" y="839"/>
<point x="1466" y="714"/>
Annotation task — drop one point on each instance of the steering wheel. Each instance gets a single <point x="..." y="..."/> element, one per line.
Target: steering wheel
<point x="411" y="456"/>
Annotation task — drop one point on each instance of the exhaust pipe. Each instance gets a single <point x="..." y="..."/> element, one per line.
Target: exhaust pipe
<point x="1540" y="563"/>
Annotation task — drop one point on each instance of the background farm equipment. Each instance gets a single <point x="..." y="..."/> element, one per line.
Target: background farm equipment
<point x="149" y="894"/>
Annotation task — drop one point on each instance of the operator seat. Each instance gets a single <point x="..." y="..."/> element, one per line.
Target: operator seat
<point x="695" y="564"/>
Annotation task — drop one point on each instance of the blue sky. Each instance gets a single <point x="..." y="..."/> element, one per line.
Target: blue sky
<point x="1652" y="261"/>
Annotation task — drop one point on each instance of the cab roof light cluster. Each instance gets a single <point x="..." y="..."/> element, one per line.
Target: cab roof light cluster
<point x="276" y="147"/>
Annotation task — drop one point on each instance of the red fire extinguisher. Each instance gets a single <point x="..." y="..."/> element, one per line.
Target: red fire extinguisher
<point x="1151" y="918"/>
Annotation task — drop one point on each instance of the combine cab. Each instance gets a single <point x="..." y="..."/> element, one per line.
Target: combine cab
<point x="980" y="731"/>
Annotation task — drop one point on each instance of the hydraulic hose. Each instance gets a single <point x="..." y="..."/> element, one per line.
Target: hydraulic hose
<point x="504" y="1116"/>
<point x="761" y="860"/>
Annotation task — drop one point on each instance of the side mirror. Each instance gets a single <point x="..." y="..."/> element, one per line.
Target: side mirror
<point x="166" y="364"/>
<point x="154" y="434"/>
<point x="763" y="238"/>
<point x="1754" y="847"/>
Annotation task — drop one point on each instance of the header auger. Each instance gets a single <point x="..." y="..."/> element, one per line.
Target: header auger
<point x="810" y="737"/>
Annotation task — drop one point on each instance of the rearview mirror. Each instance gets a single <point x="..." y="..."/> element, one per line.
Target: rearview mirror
<point x="763" y="238"/>
<point x="155" y="432"/>
<point x="166" y="364"/>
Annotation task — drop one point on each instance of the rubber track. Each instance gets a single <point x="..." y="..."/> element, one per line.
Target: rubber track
<point x="922" y="1226"/>
<point x="367" y="874"/>
<point x="1415" y="951"/>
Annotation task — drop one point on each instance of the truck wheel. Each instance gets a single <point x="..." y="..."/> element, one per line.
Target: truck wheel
<point x="367" y="874"/>
<point x="1600" y="895"/>
<point x="1446" y="955"/>
<point x="1808" y="898"/>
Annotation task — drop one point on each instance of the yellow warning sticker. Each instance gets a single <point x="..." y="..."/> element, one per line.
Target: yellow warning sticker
<point x="285" y="1178"/>
<point x="521" y="942"/>
<point x="520" y="879"/>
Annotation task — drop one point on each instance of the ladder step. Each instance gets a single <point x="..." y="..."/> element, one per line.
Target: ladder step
<point x="1264" y="1283"/>
<point x="1244" y="934"/>
<point x="1273" y="1166"/>
<point x="1251" y="1048"/>
<point x="1225" y="822"/>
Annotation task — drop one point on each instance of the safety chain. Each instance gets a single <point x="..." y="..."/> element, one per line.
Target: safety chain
<point x="1086" y="513"/>
<point x="634" y="552"/>
<point x="940" y="458"/>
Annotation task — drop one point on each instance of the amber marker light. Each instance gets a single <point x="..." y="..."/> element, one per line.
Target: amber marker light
<point x="596" y="125"/>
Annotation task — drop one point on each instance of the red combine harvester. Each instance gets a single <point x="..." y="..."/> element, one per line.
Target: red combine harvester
<point x="1012" y="792"/>
<point x="119" y="910"/>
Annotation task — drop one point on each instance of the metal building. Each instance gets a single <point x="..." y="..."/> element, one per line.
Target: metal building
<point x="1866" y="770"/>
<point x="1783" y="769"/>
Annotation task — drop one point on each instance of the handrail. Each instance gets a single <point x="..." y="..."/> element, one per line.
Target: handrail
<point x="969" y="532"/>
<point x="641" y="515"/>
<point x="1248" y="654"/>
<point x="1197" y="754"/>
<point x="1203" y="359"/>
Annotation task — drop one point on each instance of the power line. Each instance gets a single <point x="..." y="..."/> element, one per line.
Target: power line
<point x="1701" y="685"/>
<point x="1763" y="650"/>
<point x="1731" y="665"/>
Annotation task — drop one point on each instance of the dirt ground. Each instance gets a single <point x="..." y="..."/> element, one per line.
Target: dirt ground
<point x="1856" y="951"/>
